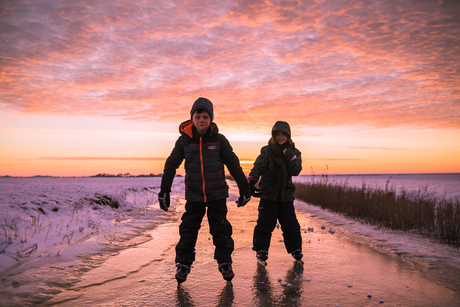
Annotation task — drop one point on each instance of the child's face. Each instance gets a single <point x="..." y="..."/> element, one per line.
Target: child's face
<point x="201" y="121"/>
<point x="280" y="137"/>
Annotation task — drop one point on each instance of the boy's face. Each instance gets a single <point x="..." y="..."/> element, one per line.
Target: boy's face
<point x="280" y="137"/>
<point x="201" y="121"/>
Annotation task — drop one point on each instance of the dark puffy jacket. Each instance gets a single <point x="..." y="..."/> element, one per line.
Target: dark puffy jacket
<point x="205" y="157"/>
<point x="265" y="168"/>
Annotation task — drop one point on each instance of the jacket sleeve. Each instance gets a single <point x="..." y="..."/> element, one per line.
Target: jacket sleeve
<point x="230" y="159"/>
<point x="260" y="165"/>
<point x="172" y="164"/>
<point x="295" y="166"/>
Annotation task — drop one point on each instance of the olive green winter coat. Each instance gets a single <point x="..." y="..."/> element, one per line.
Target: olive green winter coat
<point x="265" y="169"/>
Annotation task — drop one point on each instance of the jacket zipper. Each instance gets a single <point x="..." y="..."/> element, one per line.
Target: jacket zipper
<point x="202" y="170"/>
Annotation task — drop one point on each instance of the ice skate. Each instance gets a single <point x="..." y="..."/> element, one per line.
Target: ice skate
<point x="181" y="272"/>
<point x="227" y="271"/>
<point x="297" y="254"/>
<point x="262" y="257"/>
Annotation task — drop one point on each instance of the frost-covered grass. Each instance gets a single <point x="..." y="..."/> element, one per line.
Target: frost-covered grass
<point x="64" y="217"/>
<point x="24" y="232"/>
<point x="425" y="212"/>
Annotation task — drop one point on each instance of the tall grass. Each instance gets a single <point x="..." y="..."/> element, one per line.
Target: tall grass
<point x="421" y="211"/>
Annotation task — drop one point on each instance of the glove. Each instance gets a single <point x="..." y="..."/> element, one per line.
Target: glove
<point x="289" y="154"/>
<point x="245" y="196"/>
<point x="252" y="187"/>
<point x="164" y="200"/>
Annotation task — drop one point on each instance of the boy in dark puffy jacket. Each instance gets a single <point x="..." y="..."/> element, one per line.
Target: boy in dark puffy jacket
<point x="205" y="152"/>
<point x="277" y="163"/>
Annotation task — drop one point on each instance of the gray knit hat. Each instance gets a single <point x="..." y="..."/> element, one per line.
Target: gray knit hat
<point x="205" y="104"/>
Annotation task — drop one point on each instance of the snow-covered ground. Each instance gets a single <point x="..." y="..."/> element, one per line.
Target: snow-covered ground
<point x="56" y="219"/>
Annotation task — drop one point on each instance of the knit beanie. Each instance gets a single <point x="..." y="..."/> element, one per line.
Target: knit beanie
<point x="205" y="104"/>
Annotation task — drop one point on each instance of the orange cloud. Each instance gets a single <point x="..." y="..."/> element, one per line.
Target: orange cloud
<point x="328" y="63"/>
<point x="365" y="64"/>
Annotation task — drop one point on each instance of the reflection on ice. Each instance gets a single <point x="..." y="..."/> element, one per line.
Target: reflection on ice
<point x="183" y="297"/>
<point x="267" y="293"/>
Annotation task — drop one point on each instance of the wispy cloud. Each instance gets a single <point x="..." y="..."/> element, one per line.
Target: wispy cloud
<point x="319" y="63"/>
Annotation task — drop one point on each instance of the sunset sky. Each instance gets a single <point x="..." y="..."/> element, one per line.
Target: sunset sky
<point x="101" y="86"/>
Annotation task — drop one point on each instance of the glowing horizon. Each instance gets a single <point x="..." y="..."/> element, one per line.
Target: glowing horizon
<point x="100" y="87"/>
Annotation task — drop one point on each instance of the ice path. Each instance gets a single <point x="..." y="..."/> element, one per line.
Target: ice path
<point x="337" y="272"/>
<point x="125" y="263"/>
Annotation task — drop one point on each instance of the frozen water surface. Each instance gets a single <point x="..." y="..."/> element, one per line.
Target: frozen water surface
<point x="128" y="259"/>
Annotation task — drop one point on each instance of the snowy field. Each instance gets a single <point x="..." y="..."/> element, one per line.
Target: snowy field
<point x="44" y="220"/>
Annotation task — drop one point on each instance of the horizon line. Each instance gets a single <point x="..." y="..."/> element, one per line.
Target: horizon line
<point x="157" y="175"/>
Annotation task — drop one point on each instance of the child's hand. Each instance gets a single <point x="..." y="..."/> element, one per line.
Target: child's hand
<point x="289" y="154"/>
<point x="164" y="200"/>
<point x="245" y="196"/>
<point x="252" y="187"/>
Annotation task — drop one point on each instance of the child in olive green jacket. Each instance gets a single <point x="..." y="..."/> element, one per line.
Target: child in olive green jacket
<point x="277" y="163"/>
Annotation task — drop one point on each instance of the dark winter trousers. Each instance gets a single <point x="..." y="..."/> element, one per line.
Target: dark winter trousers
<point x="219" y="226"/>
<point x="284" y="212"/>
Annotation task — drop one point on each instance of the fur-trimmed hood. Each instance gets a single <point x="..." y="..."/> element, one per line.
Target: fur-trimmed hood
<point x="188" y="128"/>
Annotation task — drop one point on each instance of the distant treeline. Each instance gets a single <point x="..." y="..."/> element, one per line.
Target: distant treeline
<point x="34" y="176"/>
<point x="126" y="175"/>
<point x="129" y="175"/>
<point x="431" y="215"/>
<point x="98" y="175"/>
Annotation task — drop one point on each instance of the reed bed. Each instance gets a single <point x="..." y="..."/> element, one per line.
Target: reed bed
<point x="426" y="213"/>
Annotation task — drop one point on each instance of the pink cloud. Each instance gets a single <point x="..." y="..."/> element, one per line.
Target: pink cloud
<point x="330" y="63"/>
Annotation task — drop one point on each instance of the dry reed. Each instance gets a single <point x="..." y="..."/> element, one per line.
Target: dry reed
<point x="435" y="217"/>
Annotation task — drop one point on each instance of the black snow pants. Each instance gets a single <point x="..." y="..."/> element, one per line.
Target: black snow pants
<point x="219" y="226"/>
<point x="284" y="212"/>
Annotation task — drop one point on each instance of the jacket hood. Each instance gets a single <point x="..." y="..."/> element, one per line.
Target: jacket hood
<point x="188" y="128"/>
<point x="283" y="127"/>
